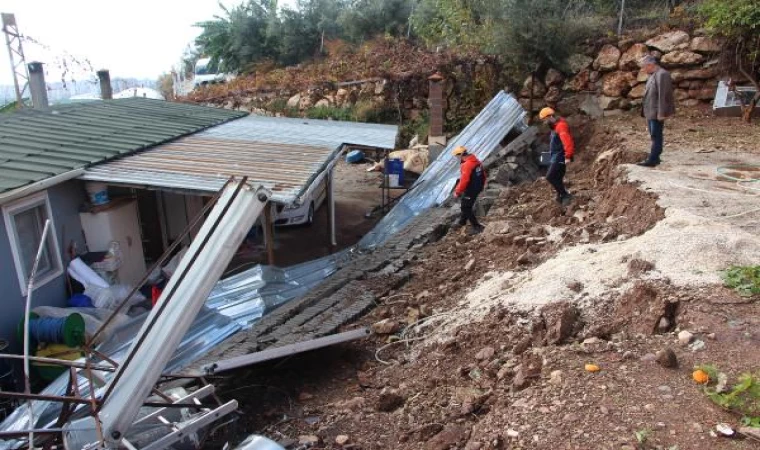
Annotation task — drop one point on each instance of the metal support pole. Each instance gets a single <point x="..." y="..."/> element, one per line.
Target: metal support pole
<point x="331" y="209"/>
<point x="268" y="227"/>
<point x="620" y="21"/>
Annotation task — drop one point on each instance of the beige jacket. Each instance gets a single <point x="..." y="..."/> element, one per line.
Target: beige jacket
<point x="658" y="96"/>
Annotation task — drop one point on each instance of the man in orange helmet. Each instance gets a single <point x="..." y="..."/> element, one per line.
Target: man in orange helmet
<point x="472" y="181"/>
<point x="561" y="149"/>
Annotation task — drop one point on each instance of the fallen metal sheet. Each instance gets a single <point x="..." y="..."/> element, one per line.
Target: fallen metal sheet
<point x="481" y="137"/>
<point x="727" y="103"/>
<point x="281" y="352"/>
<point x="320" y="133"/>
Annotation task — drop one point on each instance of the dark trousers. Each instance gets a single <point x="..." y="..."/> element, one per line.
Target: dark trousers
<point x="467" y="214"/>
<point x="555" y="176"/>
<point x="656" y="131"/>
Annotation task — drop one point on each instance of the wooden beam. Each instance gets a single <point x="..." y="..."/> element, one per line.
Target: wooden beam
<point x="268" y="227"/>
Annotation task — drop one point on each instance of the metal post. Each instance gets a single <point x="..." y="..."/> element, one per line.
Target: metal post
<point x="620" y="21"/>
<point x="27" y="308"/>
<point x="18" y="63"/>
<point x="268" y="227"/>
<point x="331" y="209"/>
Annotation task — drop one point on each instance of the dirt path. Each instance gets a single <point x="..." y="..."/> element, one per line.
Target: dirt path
<point x="495" y="331"/>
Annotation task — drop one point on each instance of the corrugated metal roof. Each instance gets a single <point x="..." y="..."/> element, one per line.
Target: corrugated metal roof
<point x="39" y="144"/>
<point x="203" y="164"/>
<point x="285" y="155"/>
<point x="319" y="133"/>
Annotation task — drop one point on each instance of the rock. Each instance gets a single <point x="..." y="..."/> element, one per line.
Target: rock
<point x="526" y="372"/>
<point x="595" y="76"/>
<point x="689" y="102"/>
<point x="697" y="345"/>
<point x="539" y="90"/>
<point x="555" y="377"/>
<point x="590" y="105"/>
<point x="642" y="76"/>
<point x="703" y="94"/>
<point x="504" y="372"/>
<point x="473" y="446"/>
<point x="667" y="358"/>
<point x="304" y="397"/>
<point x="578" y="62"/>
<point x="294" y="101"/>
<point x="513" y="433"/>
<point x="580" y="82"/>
<point x="389" y="402"/>
<point x="609" y="103"/>
<point x="560" y="320"/>
<point x="470" y="264"/>
<point x="485" y="353"/>
<point x="668" y="42"/>
<point x="385" y="326"/>
<point x="342" y="439"/>
<point x="631" y="59"/>
<point x="553" y="95"/>
<point x="649" y="357"/>
<point x="680" y="94"/>
<point x="685" y="337"/>
<point x="608" y="58"/>
<point x="681" y="58"/>
<point x="451" y="436"/>
<point x="308" y="440"/>
<point x="352" y="405"/>
<point x="553" y="78"/>
<point x="703" y="44"/>
<point x="637" y="91"/>
<point x="524" y="344"/>
<point x="617" y="84"/>
<point x="699" y="74"/>
<point x="306" y="102"/>
<point x="324" y="103"/>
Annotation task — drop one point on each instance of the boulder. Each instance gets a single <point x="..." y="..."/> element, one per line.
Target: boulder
<point x="637" y="91"/>
<point x="700" y="74"/>
<point x="703" y="44"/>
<point x="579" y="82"/>
<point x="617" y="84"/>
<point x="380" y="87"/>
<point x="539" y="90"/>
<point x="631" y="59"/>
<point x="668" y="42"/>
<point x="590" y="105"/>
<point x="324" y="103"/>
<point x="625" y="44"/>
<point x="681" y="94"/>
<point x="609" y="103"/>
<point x="689" y="102"/>
<point x="578" y="62"/>
<point x="306" y="102"/>
<point x="595" y="76"/>
<point x="681" y="58"/>
<point x="642" y="76"/>
<point x="525" y="103"/>
<point x="553" y="95"/>
<point x="294" y="101"/>
<point x="678" y="75"/>
<point x="560" y="319"/>
<point x="706" y="93"/>
<point x="608" y="58"/>
<point x="553" y="78"/>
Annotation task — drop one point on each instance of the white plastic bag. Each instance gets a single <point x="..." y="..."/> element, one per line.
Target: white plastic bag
<point x="112" y="296"/>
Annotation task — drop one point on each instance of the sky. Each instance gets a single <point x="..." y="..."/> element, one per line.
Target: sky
<point x="137" y="38"/>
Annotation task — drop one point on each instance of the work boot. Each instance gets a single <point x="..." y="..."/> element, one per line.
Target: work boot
<point x="476" y="229"/>
<point x="648" y="163"/>
<point x="566" y="199"/>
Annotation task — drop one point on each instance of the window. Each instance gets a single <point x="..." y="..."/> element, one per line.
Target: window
<point x="24" y="222"/>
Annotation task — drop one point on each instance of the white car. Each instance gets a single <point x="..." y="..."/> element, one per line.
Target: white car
<point x="203" y="76"/>
<point x="303" y="213"/>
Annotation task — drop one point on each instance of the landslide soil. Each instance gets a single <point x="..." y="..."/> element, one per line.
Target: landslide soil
<point x="516" y="379"/>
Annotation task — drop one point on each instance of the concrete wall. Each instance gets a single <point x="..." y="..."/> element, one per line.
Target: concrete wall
<point x="65" y="200"/>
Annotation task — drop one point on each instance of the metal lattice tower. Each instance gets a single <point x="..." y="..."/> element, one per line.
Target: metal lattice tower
<point x="16" y="53"/>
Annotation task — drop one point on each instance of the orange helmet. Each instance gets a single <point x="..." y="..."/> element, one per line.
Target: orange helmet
<point x="546" y="112"/>
<point x="459" y="151"/>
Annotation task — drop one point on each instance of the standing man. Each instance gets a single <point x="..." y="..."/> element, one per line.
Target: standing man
<point x="472" y="181"/>
<point x="561" y="149"/>
<point x="659" y="104"/>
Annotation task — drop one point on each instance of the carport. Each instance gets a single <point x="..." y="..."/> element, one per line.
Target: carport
<point x="291" y="157"/>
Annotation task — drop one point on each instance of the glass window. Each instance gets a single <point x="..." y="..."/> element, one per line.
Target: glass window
<point x="25" y="222"/>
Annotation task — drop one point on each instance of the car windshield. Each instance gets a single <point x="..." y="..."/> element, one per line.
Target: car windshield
<point x="201" y="69"/>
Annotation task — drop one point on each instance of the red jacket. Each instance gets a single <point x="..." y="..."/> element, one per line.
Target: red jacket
<point x="563" y="131"/>
<point x="472" y="175"/>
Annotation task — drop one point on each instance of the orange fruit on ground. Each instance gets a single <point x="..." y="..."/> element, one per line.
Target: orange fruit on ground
<point x="700" y="376"/>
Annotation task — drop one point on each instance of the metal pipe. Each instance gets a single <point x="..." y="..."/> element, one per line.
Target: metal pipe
<point x="27" y="308"/>
<point x="60" y="362"/>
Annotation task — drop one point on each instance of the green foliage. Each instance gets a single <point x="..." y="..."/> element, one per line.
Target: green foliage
<point x="330" y="112"/>
<point x="744" y="279"/>
<point x="362" y="20"/>
<point x="739" y="22"/>
<point x="642" y="436"/>
<point x="742" y="398"/>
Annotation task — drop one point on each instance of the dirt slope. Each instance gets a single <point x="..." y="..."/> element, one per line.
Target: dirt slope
<point x="494" y="331"/>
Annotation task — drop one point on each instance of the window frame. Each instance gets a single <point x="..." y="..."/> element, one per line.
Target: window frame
<point x="9" y="212"/>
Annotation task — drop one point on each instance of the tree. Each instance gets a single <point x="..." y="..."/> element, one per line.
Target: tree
<point x="738" y="21"/>
<point x="364" y="19"/>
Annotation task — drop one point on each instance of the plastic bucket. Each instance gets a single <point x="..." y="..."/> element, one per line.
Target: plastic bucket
<point x="395" y="170"/>
<point x="97" y="192"/>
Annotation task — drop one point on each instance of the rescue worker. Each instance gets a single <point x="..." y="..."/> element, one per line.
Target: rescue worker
<point x="561" y="150"/>
<point x="472" y="181"/>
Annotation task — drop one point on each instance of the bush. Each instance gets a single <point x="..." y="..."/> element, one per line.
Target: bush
<point x="745" y="280"/>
